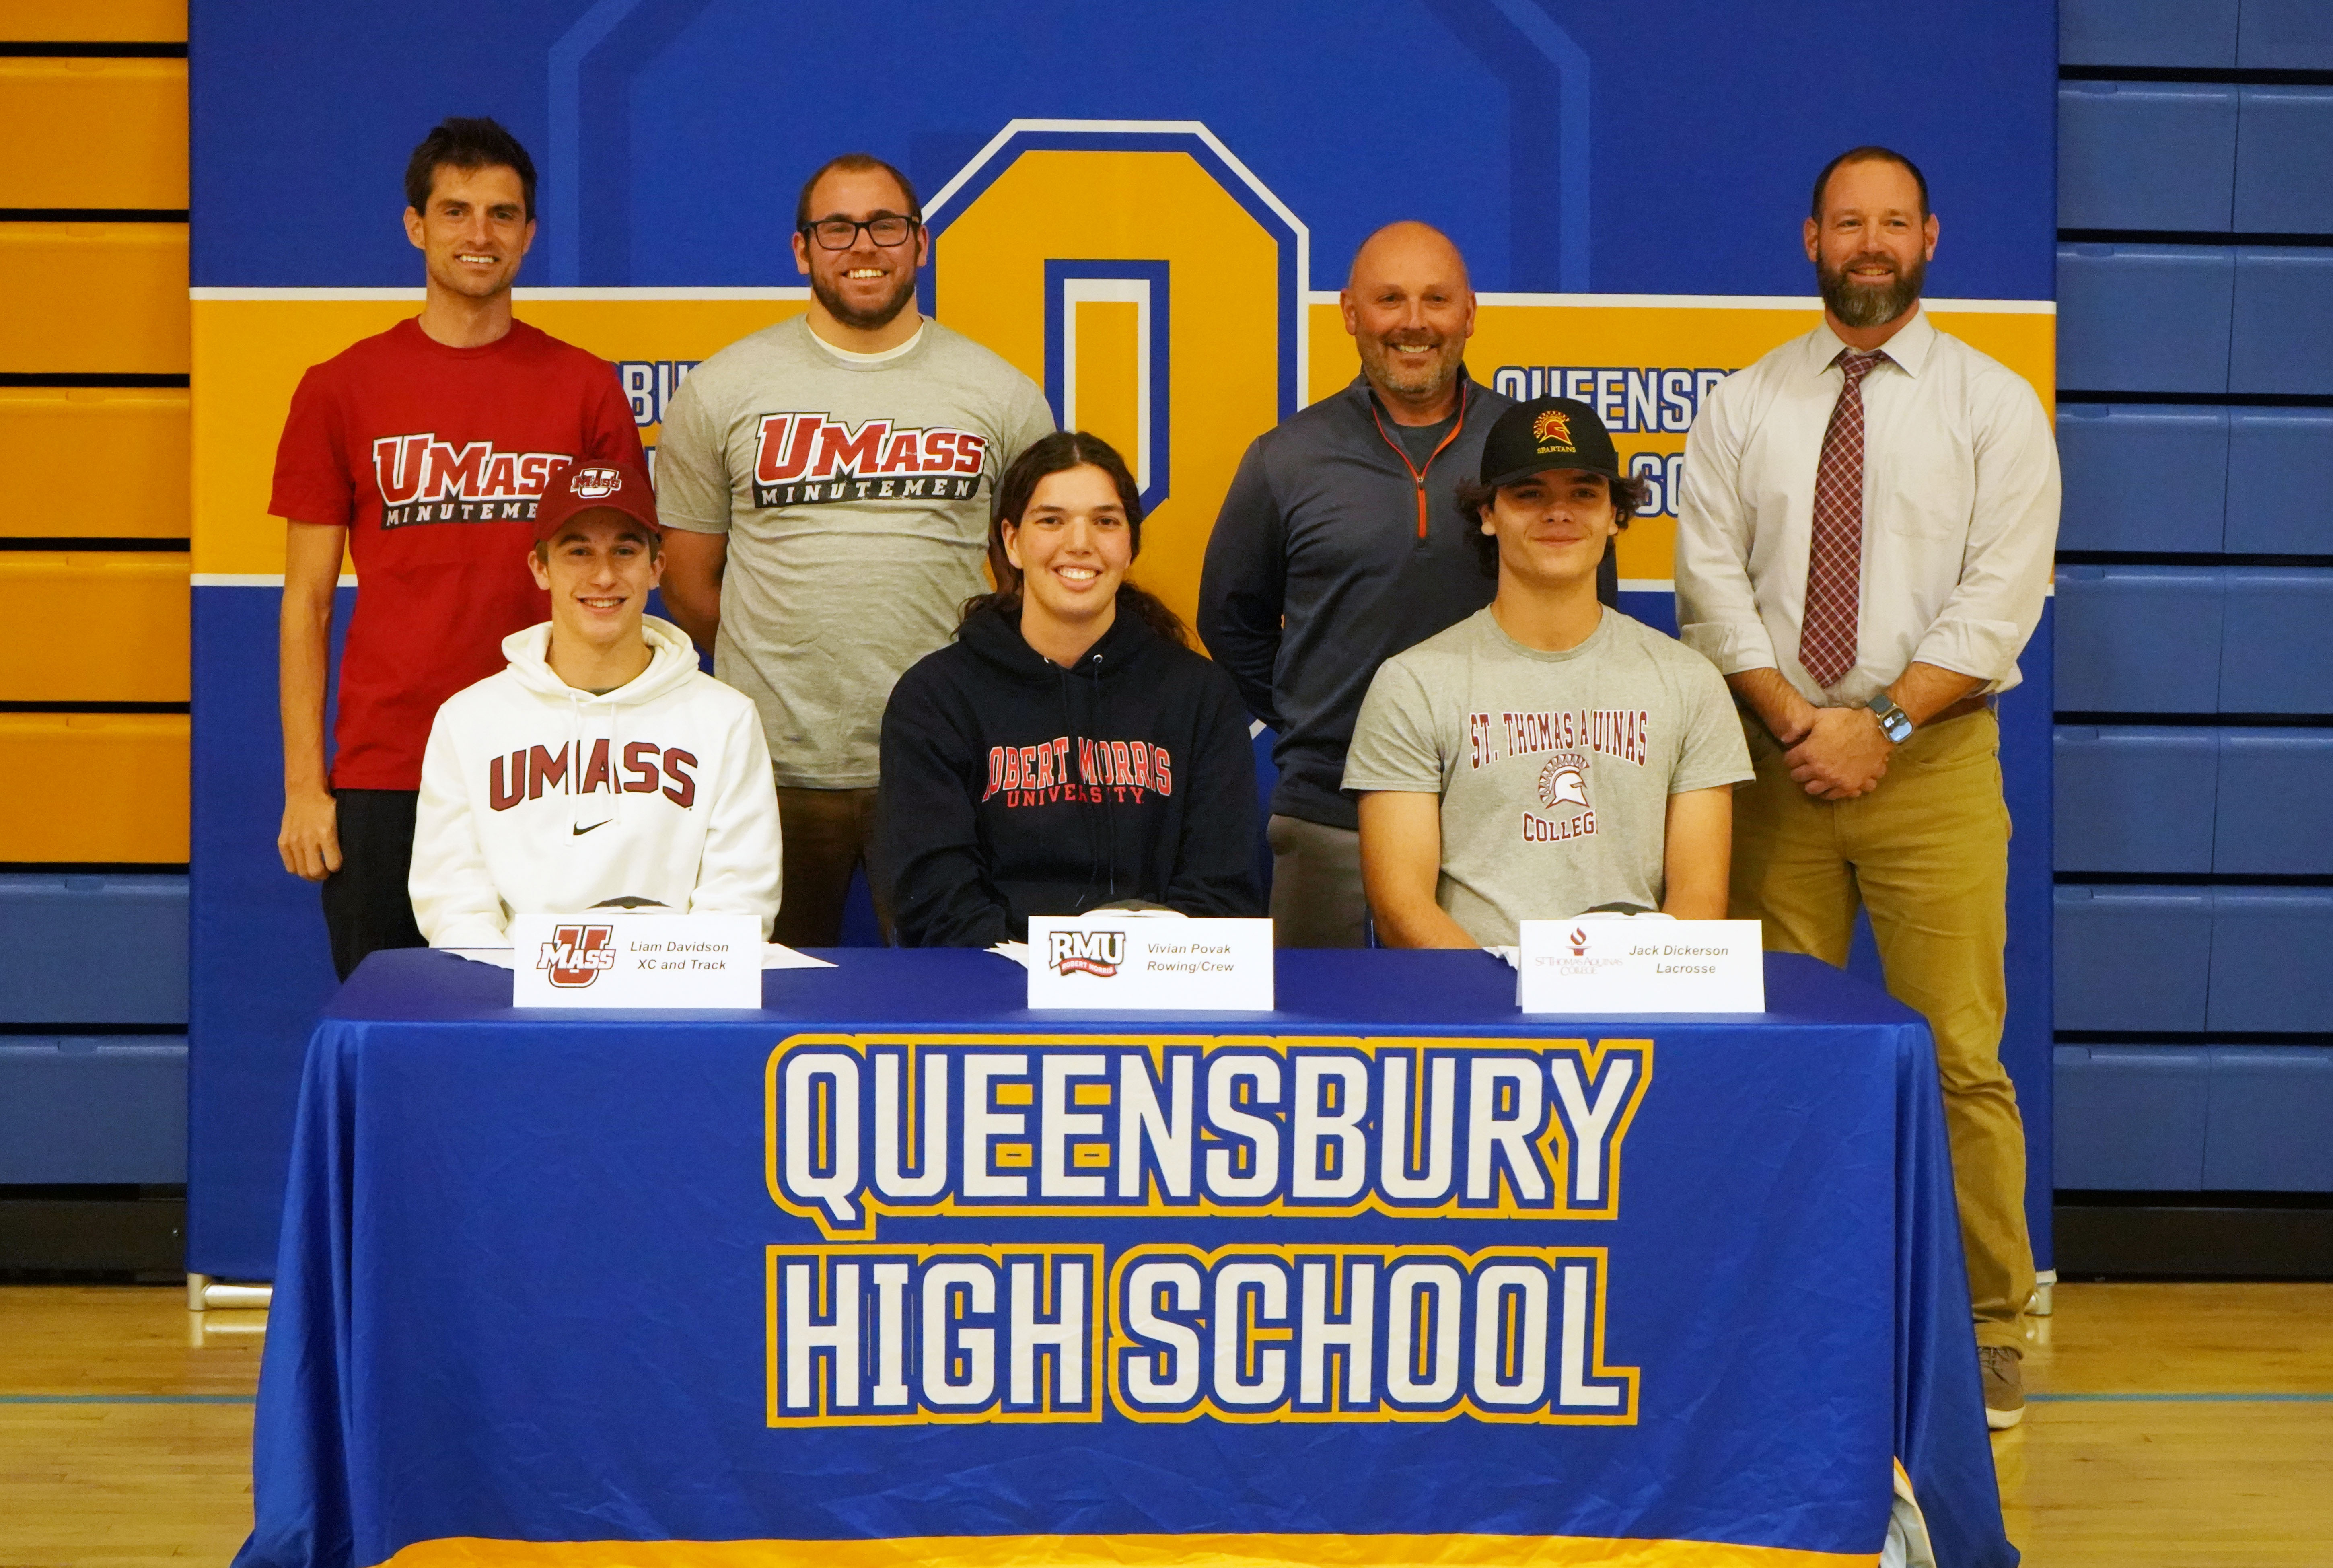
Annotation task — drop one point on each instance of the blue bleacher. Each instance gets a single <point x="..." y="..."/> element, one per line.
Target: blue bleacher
<point x="2268" y="967"/>
<point x="2282" y="335"/>
<point x="92" y="949"/>
<point x="2271" y="817"/>
<point x="2281" y="481"/>
<point x="2278" y="648"/>
<point x="2162" y="481"/>
<point x="2131" y="1118"/>
<point x="2132" y="957"/>
<point x="2154" y="33"/>
<point x="2284" y="161"/>
<point x="2146" y="155"/>
<point x="2140" y="638"/>
<point x="93" y="1108"/>
<point x="2143" y="477"/>
<point x="2183" y="296"/>
<point x="2274" y="34"/>
<point x="2266" y="1129"/>
<point x="2133" y="800"/>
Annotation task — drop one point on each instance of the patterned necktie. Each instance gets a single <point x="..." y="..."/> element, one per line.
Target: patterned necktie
<point x="1826" y="636"/>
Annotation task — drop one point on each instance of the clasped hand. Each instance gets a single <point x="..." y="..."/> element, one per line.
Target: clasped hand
<point x="1843" y="754"/>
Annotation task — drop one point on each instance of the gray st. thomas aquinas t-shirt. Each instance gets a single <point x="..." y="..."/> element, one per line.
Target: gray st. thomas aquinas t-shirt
<point x="1555" y="769"/>
<point x="855" y="493"/>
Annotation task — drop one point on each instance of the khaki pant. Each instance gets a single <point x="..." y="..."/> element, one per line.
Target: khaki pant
<point x="1928" y="853"/>
<point x="1316" y="885"/>
<point x="825" y="835"/>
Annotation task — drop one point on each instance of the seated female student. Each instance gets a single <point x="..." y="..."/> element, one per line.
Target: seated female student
<point x="1069" y="750"/>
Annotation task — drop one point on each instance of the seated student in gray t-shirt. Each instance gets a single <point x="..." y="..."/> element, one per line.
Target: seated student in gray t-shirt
<point x="1546" y="755"/>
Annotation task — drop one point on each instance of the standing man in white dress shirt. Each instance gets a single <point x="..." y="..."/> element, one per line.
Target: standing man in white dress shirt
<point x="1864" y="541"/>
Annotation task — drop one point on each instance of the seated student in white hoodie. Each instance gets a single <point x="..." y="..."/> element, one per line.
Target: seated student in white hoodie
<point x="602" y="764"/>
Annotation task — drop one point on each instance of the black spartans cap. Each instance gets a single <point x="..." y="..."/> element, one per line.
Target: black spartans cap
<point x="1546" y="433"/>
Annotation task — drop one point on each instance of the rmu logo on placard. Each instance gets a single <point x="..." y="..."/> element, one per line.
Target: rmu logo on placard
<point x="423" y="479"/>
<point x="578" y="955"/>
<point x="815" y="459"/>
<point x="1097" y="953"/>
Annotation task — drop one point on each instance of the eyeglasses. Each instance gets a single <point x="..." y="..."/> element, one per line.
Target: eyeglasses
<point x="842" y="233"/>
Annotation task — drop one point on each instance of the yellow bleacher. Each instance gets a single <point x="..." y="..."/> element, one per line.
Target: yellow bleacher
<point x="90" y="300"/>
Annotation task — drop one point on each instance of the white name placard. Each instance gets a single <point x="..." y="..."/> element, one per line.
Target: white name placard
<point x="620" y="958"/>
<point x="1640" y="966"/>
<point x="1110" y="958"/>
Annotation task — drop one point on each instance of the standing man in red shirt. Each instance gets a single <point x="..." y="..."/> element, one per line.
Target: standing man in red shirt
<point x="421" y="452"/>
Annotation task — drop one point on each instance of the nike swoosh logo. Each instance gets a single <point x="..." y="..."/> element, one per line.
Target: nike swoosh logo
<point x="580" y="831"/>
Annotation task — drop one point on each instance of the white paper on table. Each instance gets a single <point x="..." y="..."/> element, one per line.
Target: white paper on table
<point x="1016" y="951"/>
<point x="774" y="955"/>
<point x="1510" y="956"/>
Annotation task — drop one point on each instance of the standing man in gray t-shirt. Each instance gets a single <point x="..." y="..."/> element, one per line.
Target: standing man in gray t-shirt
<point x="824" y="485"/>
<point x="1546" y="755"/>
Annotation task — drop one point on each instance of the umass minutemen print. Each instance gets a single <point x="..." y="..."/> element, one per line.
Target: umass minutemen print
<point x="1554" y="770"/>
<point x="539" y="798"/>
<point x="424" y="480"/>
<point x="854" y="490"/>
<point x="434" y="459"/>
<point x="817" y="460"/>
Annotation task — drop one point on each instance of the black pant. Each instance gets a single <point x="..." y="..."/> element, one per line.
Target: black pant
<point x="367" y="906"/>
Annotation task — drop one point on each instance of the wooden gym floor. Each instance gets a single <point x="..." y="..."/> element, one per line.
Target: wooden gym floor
<point x="2184" y="1426"/>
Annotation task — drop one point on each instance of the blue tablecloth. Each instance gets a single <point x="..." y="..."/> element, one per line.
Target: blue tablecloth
<point x="531" y="1278"/>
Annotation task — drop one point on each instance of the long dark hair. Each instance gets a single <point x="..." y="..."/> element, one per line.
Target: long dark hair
<point x="1058" y="453"/>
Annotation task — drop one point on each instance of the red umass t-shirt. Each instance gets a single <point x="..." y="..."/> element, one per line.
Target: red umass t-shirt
<point x="433" y="458"/>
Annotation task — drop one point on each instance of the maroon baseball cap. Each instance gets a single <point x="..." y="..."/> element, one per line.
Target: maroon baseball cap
<point x="589" y="487"/>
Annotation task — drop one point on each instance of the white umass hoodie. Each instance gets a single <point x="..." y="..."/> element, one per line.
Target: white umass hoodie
<point x="536" y="797"/>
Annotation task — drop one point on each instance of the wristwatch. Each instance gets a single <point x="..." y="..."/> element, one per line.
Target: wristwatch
<point x="1893" y="720"/>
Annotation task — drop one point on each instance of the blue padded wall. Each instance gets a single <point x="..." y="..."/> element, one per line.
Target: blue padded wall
<point x="2277" y="652"/>
<point x="2146" y="155"/>
<point x="2279" y="34"/>
<point x="2284" y="161"/>
<point x="2184" y="294"/>
<point x="92" y="949"/>
<point x="2282" y="333"/>
<point x="2140" y="638"/>
<point x="2131" y="800"/>
<point x="2131" y="1118"/>
<point x="2269" y="959"/>
<point x="88" y="1108"/>
<point x="2133" y="958"/>
<point x="2269" y="1110"/>
<point x="2143" y="477"/>
<point x="2271" y="819"/>
<point x="2160" y="32"/>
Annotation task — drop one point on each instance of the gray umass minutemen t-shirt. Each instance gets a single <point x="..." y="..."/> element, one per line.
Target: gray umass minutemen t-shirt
<point x="1555" y="769"/>
<point x="855" y="493"/>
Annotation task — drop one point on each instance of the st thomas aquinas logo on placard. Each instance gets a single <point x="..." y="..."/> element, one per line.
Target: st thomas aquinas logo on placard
<point x="578" y="955"/>
<point x="1096" y="953"/>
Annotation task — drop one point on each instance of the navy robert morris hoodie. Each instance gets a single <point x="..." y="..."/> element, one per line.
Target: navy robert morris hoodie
<point x="1013" y="786"/>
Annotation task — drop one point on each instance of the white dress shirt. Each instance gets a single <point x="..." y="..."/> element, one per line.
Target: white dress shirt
<point x="1960" y="511"/>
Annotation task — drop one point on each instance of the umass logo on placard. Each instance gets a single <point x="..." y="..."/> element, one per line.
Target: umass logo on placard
<point x="578" y="955"/>
<point x="1097" y="953"/>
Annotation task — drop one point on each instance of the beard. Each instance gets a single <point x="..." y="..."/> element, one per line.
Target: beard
<point x="864" y="321"/>
<point x="1430" y="380"/>
<point x="1860" y="304"/>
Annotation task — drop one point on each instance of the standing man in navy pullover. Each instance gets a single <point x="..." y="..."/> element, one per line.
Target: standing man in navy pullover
<point x="1342" y="544"/>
